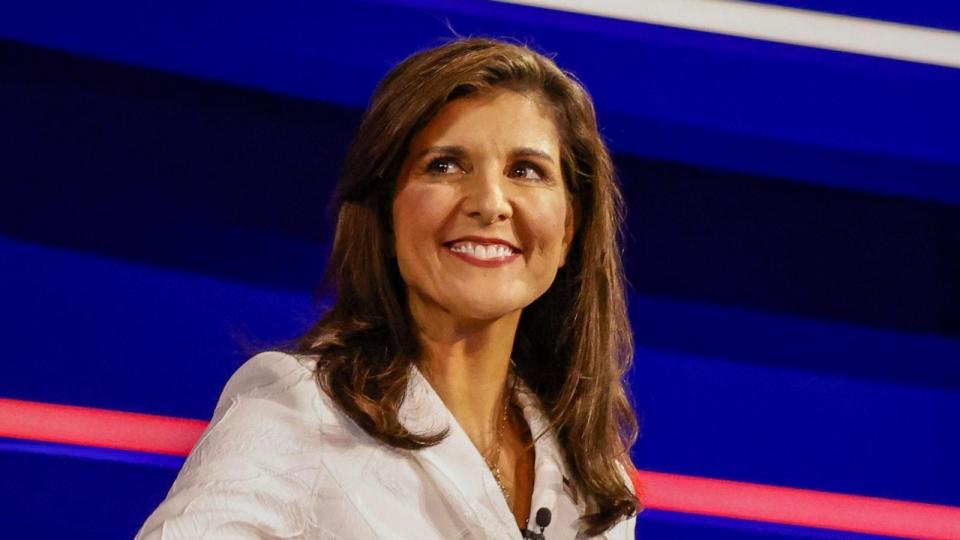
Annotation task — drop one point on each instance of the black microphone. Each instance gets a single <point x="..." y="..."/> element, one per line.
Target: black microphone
<point x="543" y="519"/>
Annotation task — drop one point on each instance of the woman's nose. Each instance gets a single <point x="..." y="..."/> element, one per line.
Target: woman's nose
<point x="487" y="199"/>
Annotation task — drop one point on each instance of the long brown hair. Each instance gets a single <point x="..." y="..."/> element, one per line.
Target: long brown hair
<point x="573" y="344"/>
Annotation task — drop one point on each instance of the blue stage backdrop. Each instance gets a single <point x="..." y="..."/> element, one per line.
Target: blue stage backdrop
<point x="793" y="243"/>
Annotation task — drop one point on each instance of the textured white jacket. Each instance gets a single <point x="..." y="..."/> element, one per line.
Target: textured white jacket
<point x="279" y="460"/>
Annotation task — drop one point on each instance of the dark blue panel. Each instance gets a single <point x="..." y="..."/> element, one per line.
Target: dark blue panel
<point x="763" y="338"/>
<point x="789" y="247"/>
<point x="756" y="155"/>
<point x="24" y="446"/>
<point x="719" y="418"/>
<point x="733" y="87"/>
<point x="96" y="332"/>
<point x="132" y="163"/>
<point x="46" y="496"/>
<point x="934" y="13"/>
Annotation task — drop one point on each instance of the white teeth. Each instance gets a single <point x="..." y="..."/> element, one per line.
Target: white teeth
<point x="479" y="251"/>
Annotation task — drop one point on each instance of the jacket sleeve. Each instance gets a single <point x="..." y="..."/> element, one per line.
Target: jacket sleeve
<point x="252" y="474"/>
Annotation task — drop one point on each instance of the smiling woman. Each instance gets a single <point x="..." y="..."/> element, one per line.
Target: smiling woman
<point x="468" y="380"/>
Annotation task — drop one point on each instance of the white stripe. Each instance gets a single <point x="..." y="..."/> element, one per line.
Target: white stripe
<point x="781" y="24"/>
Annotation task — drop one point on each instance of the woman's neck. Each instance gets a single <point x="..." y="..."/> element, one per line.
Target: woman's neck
<point x="467" y="365"/>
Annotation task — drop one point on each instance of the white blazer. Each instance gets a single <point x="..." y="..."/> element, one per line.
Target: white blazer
<point x="279" y="460"/>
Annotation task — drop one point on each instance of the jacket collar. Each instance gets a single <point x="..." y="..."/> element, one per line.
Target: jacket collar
<point x="552" y="487"/>
<point x="457" y="468"/>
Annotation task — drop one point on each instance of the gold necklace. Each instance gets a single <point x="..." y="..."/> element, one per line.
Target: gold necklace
<point x="494" y="465"/>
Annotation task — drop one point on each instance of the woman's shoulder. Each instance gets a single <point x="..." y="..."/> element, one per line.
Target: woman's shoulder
<point x="269" y="406"/>
<point x="268" y="417"/>
<point x="259" y="463"/>
<point x="268" y="372"/>
<point x="273" y="391"/>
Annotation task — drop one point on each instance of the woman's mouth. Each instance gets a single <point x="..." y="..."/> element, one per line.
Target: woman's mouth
<point x="479" y="254"/>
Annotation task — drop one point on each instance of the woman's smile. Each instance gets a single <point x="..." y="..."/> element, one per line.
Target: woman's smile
<point x="484" y="252"/>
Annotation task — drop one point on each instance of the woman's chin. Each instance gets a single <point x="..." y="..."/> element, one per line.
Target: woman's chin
<point x="486" y="311"/>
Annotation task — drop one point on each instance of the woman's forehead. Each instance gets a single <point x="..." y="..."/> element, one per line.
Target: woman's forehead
<point x="501" y="120"/>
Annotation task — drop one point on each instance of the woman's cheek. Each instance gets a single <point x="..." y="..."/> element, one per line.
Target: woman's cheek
<point x="550" y="220"/>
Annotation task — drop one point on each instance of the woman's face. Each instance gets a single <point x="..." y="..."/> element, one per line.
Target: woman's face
<point x="482" y="219"/>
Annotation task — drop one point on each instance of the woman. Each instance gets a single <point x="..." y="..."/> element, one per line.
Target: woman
<point x="467" y="383"/>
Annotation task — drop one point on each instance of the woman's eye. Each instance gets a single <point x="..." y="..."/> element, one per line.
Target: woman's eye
<point x="443" y="166"/>
<point x="527" y="171"/>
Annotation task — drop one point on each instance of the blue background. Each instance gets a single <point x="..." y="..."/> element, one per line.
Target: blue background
<point x="793" y="247"/>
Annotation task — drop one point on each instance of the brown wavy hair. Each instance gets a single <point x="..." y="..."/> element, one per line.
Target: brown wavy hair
<point x="573" y="345"/>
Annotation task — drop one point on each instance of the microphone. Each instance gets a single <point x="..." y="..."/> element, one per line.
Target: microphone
<point x="543" y="519"/>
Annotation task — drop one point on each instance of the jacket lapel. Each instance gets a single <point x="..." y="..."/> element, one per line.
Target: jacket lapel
<point x="454" y="465"/>
<point x="459" y="471"/>
<point x="550" y="484"/>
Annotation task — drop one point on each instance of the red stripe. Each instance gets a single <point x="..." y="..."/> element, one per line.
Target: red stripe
<point x="98" y="427"/>
<point x="791" y="506"/>
<point x="661" y="491"/>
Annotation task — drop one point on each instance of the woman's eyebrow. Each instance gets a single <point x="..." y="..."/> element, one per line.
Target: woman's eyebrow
<point x="528" y="152"/>
<point x="455" y="151"/>
<point x="460" y="152"/>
